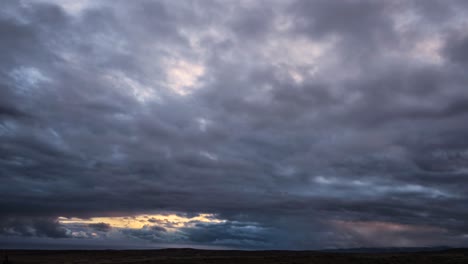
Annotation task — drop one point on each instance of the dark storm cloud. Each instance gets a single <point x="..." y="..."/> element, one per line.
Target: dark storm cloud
<point x="40" y="227"/>
<point x="102" y="227"/>
<point x="152" y="234"/>
<point x="362" y="20"/>
<point x="457" y="48"/>
<point x="8" y="111"/>
<point x="230" y="234"/>
<point x="300" y="125"/>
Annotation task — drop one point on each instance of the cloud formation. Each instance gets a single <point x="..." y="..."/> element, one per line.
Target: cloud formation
<point x="292" y="125"/>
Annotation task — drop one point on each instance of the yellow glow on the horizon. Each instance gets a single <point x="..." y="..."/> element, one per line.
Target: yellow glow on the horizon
<point x="168" y="221"/>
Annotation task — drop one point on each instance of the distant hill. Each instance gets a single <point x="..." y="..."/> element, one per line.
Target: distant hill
<point x="388" y="249"/>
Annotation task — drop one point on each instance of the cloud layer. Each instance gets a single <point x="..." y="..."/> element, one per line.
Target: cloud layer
<point x="291" y="124"/>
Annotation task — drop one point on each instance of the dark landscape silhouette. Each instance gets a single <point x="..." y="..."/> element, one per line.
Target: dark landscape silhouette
<point x="188" y="255"/>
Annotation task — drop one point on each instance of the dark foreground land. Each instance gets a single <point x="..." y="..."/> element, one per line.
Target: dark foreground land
<point x="177" y="256"/>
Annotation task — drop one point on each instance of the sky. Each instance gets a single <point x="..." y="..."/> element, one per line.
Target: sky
<point x="244" y="124"/>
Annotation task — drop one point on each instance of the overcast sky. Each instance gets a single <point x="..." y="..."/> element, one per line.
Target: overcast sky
<point x="233" y="124"/>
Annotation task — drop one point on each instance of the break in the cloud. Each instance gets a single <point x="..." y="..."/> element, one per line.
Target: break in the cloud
<point x="240" y="124"/>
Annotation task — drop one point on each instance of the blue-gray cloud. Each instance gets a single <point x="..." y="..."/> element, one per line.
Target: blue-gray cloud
<point x="301" y="117"/>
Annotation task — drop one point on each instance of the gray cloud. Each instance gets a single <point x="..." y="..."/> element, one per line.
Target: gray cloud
<point x="28" y="227"/>
<point x="102" y="227"/>
<point x="301" y="117"/>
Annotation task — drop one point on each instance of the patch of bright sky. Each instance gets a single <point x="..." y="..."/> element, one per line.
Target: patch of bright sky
<point x="73" y="7"/>
<point x="183" y="76"/>
<point x="27" y="78"/>
<point x="140" y="221"/>
<point x="426" y="48"/>
<point x="377" y="188"/>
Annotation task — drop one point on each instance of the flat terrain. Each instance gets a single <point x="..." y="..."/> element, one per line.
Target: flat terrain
<point x="176" y="256"/>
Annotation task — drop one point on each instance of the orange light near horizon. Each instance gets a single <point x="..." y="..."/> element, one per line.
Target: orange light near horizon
<point x="384" y="234"/>
<point x="168" y="221"/>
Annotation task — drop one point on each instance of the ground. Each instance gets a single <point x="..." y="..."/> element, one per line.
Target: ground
<point x="176" y="256"/>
